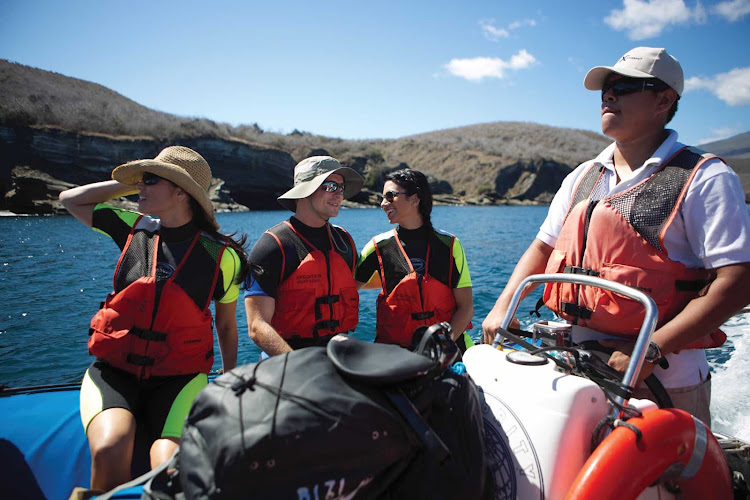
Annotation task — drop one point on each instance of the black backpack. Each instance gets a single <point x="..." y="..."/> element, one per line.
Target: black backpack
<point x="353" y="420"/>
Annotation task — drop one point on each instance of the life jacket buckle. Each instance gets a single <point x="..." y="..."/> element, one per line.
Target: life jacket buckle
<point x="327" y="299"/>
<point x="575" y="310"/>
<point x="580" y="270"/>
<point x="322" y="301"/>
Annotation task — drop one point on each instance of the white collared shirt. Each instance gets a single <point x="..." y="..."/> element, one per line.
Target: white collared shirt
<point x="711" y="229"/>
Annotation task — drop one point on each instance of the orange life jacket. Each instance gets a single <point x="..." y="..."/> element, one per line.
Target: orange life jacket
<point x="620" y="238"/>
<point x="154" y="327"/>
<point x="415" y="301"/>
<point x="320" y="298"/>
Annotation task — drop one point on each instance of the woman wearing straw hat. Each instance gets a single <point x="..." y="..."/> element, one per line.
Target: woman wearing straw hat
<point x="422" y="271"/>
<point x="153" y="336"/>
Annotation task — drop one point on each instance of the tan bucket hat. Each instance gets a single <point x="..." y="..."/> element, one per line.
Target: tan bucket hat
<point x="179" y="165"/>
<point x="311" y="172"/>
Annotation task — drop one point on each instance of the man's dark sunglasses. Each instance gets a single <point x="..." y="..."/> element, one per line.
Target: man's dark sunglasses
<point x="625" y="86"/>
<point x="333" y="186"/>
<point x="390" y="195"/>
<point x="150" y="179"/>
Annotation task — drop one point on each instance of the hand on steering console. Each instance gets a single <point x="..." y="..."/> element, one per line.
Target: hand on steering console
<point x="491" y="325"/>
<point x="621" y="357"/>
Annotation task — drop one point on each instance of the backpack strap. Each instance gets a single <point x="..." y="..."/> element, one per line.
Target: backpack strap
<point x="146" y="479"/>
<point x="435" y="446"/>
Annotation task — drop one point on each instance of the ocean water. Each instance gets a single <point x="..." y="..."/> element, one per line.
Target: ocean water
<point x="54" y="272"/>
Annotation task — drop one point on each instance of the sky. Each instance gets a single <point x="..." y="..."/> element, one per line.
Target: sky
<point x="386" y="69"/>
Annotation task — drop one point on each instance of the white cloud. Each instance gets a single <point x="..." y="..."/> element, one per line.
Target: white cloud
<point x="699" y="14"/>
<point x="522" y="60"/>
<point x="733" y="87"/>
<point x="478" y="68"/>
<point x="720" y="134"/>
<point x="733" y="10"/>
<point x="519" y="24"/>
<point x="492" y="32"/>
<point x="648" y="18"/>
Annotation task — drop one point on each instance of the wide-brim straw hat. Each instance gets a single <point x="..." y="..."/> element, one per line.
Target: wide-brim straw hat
<point x="179" y="165"/>
<point x="311" y="172"/>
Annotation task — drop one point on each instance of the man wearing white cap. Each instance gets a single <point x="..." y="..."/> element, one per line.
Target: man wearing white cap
<point x="301" y="290"/>
<point x="651" y="213"/>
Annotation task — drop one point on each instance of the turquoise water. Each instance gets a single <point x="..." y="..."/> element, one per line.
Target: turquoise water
<point x="54" y="272"/>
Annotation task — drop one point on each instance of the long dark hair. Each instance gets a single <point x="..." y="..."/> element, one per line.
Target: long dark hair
<point x="415" y="182"/>
<point x="201" y="220"/>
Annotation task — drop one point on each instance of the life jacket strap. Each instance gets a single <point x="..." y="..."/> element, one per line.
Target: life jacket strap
<point x="575" y="310"/>
<point x="691" y="285"/>
<point x="580" y="270"/>
<point x="327" y="299"/>
<point x="323" y="301"/>
<point x="330" y="324"/>
<point x="148" y="334"/>
<point x="137" y="359"/>
<point x="537" y="307"/>
<point x="421" y="316"/>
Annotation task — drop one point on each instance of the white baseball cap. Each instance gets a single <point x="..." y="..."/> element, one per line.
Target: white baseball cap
<point x="640" y="62"/>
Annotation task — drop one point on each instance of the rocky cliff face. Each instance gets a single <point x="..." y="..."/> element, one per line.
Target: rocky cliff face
<point x="531" y="181"/>
<point x="37" y="163"/>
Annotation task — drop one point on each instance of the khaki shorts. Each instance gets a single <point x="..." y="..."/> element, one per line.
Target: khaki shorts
<point x="694" y="399"/>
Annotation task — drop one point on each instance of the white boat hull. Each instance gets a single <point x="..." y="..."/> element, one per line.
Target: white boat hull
<point x="538" y="423"/>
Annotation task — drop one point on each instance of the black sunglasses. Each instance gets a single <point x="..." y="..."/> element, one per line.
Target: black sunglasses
<point x="625" y="86"/>
<point x="150" y="179"/>
<point x="333" y="186"/>
<point x="390" y="195"/>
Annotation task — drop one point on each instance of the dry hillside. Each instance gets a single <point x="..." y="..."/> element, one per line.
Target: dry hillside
<point x="504" y="160"/>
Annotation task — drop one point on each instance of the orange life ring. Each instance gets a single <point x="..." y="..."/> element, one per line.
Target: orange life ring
<point x="622" y="467"/>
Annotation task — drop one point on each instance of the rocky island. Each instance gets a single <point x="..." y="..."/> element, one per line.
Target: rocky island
<point x="57" y="132"/>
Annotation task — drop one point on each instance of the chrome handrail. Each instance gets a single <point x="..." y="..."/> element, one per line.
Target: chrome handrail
<point x="644" y="335"/>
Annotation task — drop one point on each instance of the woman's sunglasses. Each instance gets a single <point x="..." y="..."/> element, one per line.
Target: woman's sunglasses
<point x="333" y="186"/>
<point x="390" y="195"/>
<point x="150" y="179"/>
<point x="625" y="86"/>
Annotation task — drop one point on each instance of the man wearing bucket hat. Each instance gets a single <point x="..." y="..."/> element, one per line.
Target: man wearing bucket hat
<point x="301" y="289"/>
<point x="654" y="214"/>
<point x="153" y="336"/>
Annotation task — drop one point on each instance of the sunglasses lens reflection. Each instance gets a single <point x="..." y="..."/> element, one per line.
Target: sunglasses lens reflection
<point x="150" y="179"/>
<point x="623" y="87"/>
<point x="389" y="196"/>
<point x="332" y="187"/>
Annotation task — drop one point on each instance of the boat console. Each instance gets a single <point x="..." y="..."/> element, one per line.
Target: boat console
<point x="548" y="404"/>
